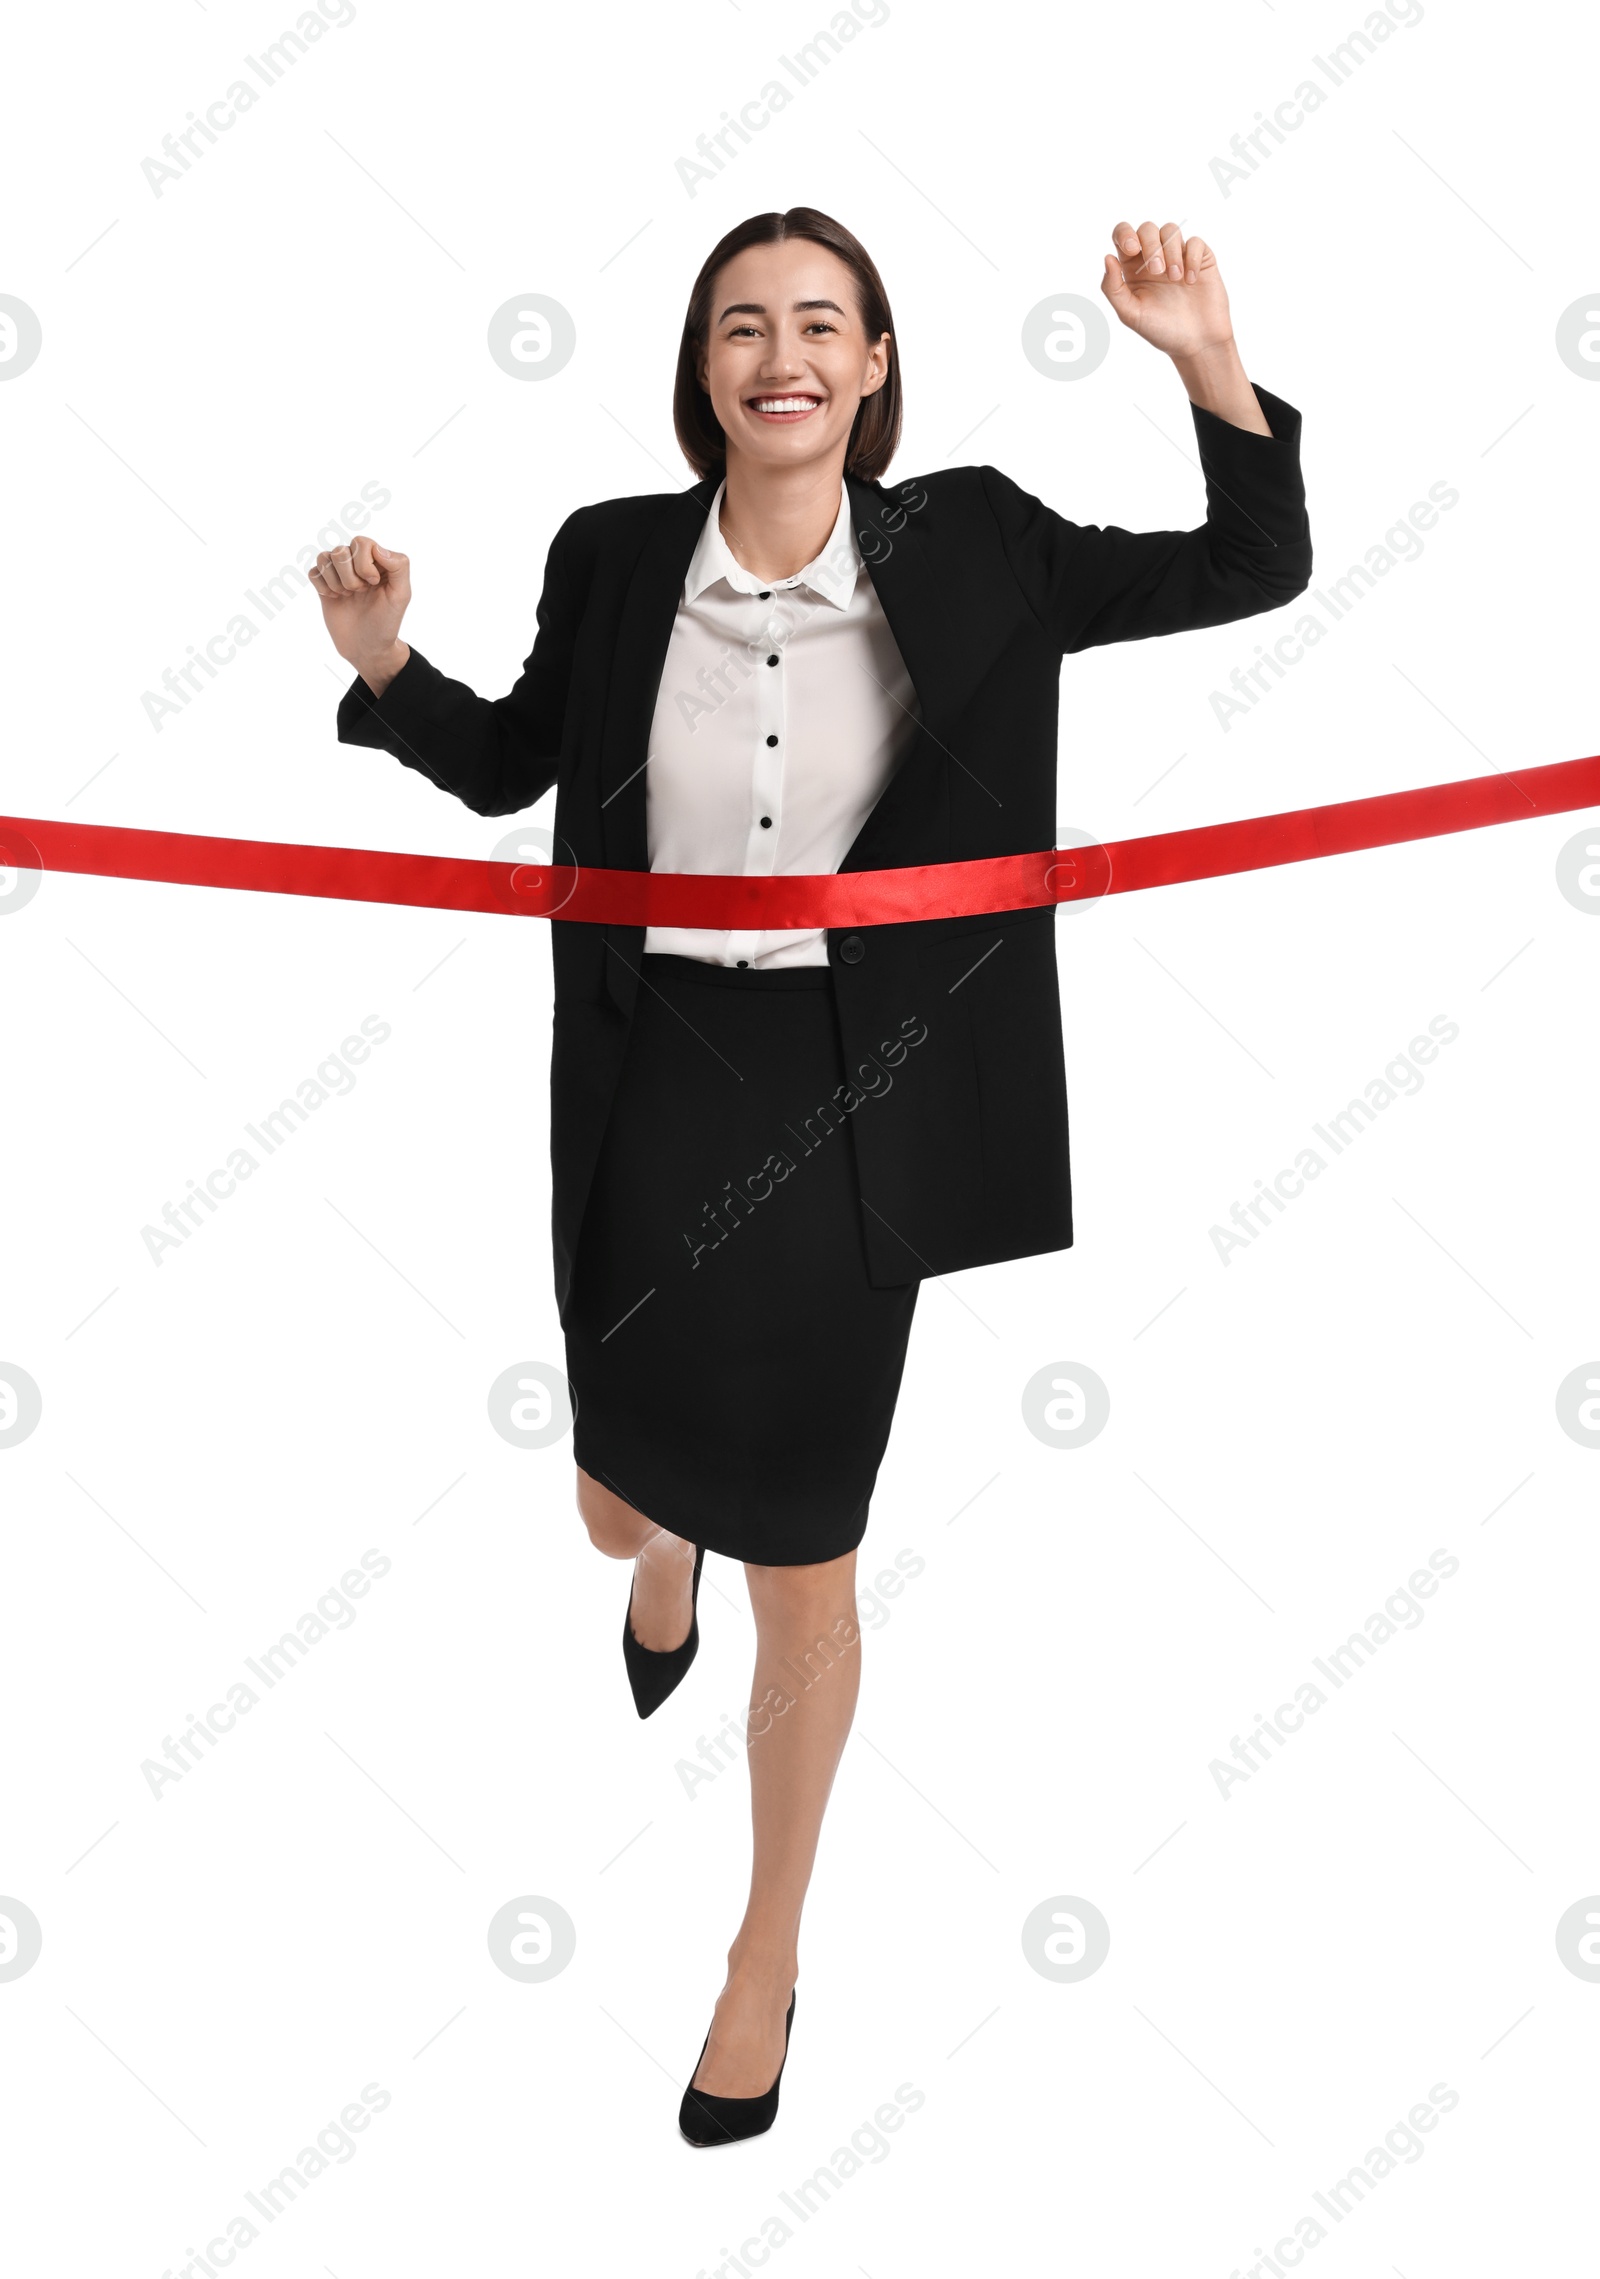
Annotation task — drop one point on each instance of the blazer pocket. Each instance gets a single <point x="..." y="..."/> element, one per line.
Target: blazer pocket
<point x="992" y="985"/>
<point x="974" y="950"/>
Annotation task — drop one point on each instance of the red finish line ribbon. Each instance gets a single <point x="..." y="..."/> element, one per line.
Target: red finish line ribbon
<point x="783" y="903"/>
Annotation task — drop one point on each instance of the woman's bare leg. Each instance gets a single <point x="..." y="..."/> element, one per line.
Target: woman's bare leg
<point x="803" y="1697"/>
<point x="663" y="1574"/>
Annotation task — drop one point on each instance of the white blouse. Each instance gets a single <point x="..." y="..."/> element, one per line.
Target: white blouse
<point x="783" y="711"/>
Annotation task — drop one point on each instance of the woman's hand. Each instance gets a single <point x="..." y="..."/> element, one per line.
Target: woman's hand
<point x="1172" y="295"/>
<point x="365" y="589"/>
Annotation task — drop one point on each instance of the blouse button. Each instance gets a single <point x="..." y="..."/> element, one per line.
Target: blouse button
<point x="772" y="660"/>
<point x="772" y="739"/>
<point x="766" y="822"/>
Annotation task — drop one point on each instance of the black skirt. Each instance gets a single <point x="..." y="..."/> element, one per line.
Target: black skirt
<point x="733" y="1371"/>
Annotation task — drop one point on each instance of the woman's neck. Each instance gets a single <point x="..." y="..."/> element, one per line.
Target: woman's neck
<point x="777" y="519"/>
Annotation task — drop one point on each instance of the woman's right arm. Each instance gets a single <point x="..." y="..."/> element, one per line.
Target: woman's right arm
<point x="497" y="756"/>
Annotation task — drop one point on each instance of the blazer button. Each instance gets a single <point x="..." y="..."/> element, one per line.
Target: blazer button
<point x="852" y="949"/>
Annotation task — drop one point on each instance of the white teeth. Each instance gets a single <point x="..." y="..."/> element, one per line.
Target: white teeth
<point x="785" y="403"/>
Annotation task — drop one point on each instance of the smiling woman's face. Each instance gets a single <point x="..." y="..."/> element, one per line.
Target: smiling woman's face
<point x="787" y="360"/>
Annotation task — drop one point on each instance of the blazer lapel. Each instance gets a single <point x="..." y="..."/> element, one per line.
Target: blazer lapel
<point x="643" y="633"/>
<point x="901" y="553"/>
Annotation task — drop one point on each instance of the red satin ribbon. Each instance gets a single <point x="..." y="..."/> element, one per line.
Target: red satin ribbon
<point x="844" y="898"/>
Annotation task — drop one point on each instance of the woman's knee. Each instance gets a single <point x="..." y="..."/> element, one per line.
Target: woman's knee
<point x="820" y="1598"/>
<point x="614" y="1526"/>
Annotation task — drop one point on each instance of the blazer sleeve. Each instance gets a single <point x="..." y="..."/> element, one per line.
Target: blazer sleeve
<point x="497" y="755"/>
<point x="1087" y="584"/>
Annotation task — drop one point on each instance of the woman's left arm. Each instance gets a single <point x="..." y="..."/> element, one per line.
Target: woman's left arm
<point x="1089" y="584"/>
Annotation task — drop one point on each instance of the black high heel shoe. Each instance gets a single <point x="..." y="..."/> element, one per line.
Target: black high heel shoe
<point x="654" y="1675"/>
<point x="707" y="2120"/>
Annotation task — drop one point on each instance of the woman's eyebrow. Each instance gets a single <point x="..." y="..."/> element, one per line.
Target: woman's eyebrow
<point x="758" y="308"/>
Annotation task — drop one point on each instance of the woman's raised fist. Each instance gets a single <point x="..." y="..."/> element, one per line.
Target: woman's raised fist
<point x="365" y="589"/>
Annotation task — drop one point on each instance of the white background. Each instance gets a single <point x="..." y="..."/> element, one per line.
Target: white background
<point x="1291" y="1434"/>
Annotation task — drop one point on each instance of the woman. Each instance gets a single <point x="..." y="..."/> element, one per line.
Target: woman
<point x="763" y="1141"/>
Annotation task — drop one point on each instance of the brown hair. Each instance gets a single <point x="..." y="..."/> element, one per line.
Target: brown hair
<point x="875" y="437"/>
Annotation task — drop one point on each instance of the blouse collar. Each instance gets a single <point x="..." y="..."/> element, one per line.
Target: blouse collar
<point x="831" y="575"/>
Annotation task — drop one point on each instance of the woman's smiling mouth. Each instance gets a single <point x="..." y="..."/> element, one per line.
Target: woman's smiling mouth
<point x="783" y="410"/>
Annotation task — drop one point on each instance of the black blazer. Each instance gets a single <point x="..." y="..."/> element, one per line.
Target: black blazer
<point x="963" y="1157"/>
